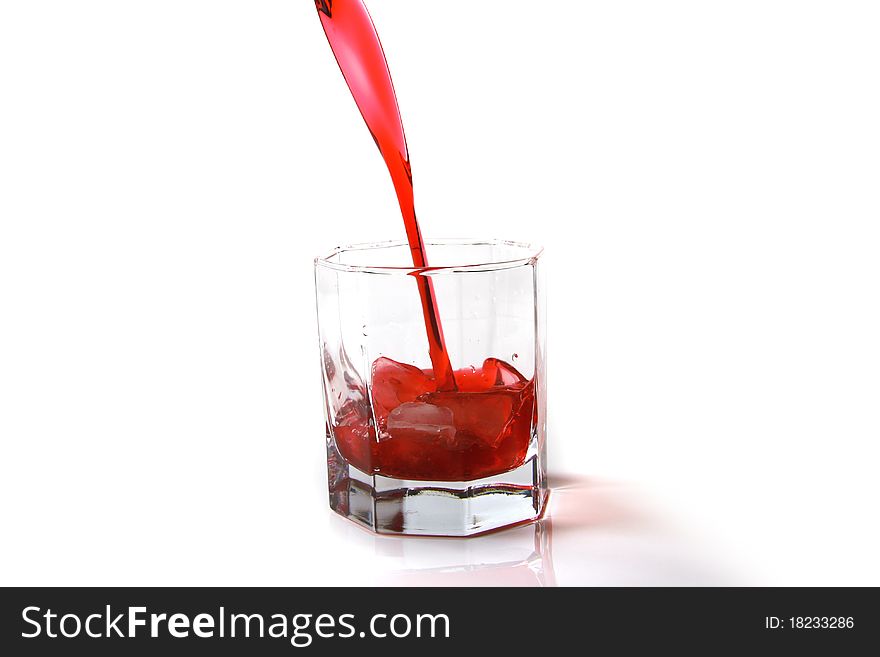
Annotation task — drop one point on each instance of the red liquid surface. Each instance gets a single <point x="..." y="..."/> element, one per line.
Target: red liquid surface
<point x="421" y="432"/>
<point x="437" y="424"/>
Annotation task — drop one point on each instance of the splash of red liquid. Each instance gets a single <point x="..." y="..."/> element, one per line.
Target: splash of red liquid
<point x="423" y="433"/>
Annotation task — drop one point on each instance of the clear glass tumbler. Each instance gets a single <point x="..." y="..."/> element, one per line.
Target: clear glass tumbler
<point x="406" y="455"/>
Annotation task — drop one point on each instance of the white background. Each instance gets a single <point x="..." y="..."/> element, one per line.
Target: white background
<point x="704" y="176"/>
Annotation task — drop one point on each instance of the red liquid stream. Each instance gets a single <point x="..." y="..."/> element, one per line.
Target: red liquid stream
<point x="436" y="424"/>
<point x="359" y="53"/>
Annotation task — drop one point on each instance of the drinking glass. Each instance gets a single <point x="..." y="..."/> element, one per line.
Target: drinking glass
<point x="405" y="454"/>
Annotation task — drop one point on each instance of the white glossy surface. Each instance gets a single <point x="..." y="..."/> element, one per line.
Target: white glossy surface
<point x="702" y="175"/>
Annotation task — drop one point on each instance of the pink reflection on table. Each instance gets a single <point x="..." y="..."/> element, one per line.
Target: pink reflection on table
<point x="597" y="533"/>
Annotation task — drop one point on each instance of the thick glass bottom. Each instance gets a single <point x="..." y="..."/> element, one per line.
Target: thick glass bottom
<point x="426" y="508"/>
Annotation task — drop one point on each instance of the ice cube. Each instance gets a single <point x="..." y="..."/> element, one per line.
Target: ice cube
<point x="396" y="383"/>
<point x="421" y="421"/>
<point x="483" y="415"/>
<point x="501" y="373"/>
<point x="493" y="373"/>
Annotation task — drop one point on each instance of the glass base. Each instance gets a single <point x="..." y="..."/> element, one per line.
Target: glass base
<point x="438" y="508"/>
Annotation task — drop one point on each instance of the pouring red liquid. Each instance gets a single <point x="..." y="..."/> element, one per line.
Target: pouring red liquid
<point x="437" y="424"/>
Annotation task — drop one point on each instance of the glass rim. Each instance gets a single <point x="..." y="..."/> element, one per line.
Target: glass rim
<point x="532" y="253"/>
